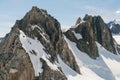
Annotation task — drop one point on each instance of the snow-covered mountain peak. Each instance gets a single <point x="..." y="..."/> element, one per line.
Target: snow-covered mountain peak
<point x="114" y="26"/>
<point x="117" y="21"/>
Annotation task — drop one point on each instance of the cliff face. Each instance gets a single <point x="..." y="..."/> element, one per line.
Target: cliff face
<point x="15" y="63"/>
<point x="35" y="39"/>
<point x="91" y="29"/>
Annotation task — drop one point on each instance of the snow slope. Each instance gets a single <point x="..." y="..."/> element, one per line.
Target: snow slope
<point x="111" y="60"/>
<point x="117" y="38"/>
<point x="78" y="36"/>
<point x="103" y="68"/>
<point x="35" y="50"/>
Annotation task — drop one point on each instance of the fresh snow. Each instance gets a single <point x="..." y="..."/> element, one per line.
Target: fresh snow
<point x="105" y="67"/>
<point x="29" y="45"/>
<point x="77" y="35"/>
<point x="111" y="60"/>
<point x="117" y="38"/>
<point x="111" y="26"/>
<point x="72" y="75"/>
<point x="40" y="32"/>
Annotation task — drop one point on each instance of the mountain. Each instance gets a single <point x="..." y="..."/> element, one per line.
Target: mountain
<point x="91" y="30"/>
<point x="94" y="48"/>
<point x="114" y="26"/>
<point x="33" y="48"/>
<point x="37" y="49"/>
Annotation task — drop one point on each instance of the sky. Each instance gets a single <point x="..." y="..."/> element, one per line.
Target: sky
<point x="65" y="11"/>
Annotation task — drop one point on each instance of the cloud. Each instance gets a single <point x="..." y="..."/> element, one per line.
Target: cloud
<point x="118" y="11"/>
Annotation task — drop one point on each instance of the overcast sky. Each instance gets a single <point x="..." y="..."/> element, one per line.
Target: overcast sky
<point x="65" y="11"/>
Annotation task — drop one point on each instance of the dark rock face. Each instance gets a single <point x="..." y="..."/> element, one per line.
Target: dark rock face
<point x="14" y="57"/>
<point x="114" y="27"/>
<point x="14" y="62"/>
<point x="92" y="29"/>
<point x="102" y="33"/>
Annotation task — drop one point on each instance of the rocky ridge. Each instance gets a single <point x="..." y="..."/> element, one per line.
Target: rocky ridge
<point x="16" y="63"/>
<point x="92" y="29"/>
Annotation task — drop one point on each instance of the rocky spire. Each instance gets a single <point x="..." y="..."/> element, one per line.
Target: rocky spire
<point x="78" y="21"/>
<point x="92" y="30"/>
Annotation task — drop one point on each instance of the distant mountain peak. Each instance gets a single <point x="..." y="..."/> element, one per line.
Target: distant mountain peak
<point x="114" y="26"/>
<point x="116" y="21"/>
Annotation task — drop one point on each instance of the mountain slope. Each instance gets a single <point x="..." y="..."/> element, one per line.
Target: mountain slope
<point x="37" y="49"/>
<point x="34" y="44"/>
<point x="103" y="68"/>
<point x="91" y="29"/>
<point x="89" y="36"/>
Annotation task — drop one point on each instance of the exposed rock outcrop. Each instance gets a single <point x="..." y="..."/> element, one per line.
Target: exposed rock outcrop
<point x="92" y="29"/>
<point x="78" y="21"/>
<point x="14" y="62"/>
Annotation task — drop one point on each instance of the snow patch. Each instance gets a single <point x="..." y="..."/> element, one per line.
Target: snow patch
<point x="87" y="42"/>
<point x="77" y="35"/>
<point x="40" y="32"/>
<point x="53" y="66"/>
<point x="35" y="26"/>
<point x="117" y="38"/>
<point x="13" y="71"/>
<point x="31" y="45"/>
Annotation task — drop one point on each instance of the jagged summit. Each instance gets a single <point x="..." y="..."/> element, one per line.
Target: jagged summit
<point x="90" y="18"/>
<point x="35" y="48"/>
<point x="78" y="21"/>
<point x="93" y="29"/>
<point x="35" y="10"/>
